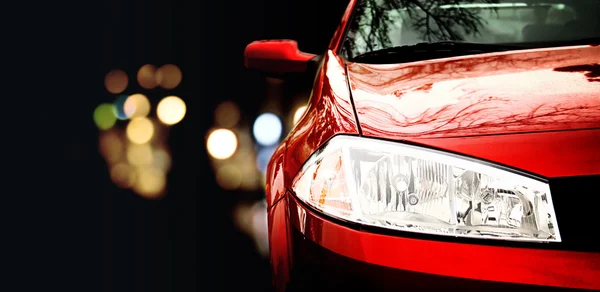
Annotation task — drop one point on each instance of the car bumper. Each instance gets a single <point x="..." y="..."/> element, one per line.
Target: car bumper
<point x="329" y="255"/>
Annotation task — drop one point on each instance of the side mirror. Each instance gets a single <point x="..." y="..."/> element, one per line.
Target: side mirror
<point x="276" y="56"/>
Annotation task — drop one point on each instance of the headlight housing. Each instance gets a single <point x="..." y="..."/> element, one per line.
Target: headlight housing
<point x="399" y="186"/>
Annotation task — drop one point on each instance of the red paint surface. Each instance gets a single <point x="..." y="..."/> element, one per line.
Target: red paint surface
<point x="549" y="154"/>
<point x="329" y="112"/>
<point x="491" y="263"/>
<point x="498" y="93"/>
<point x="278" y="244"/>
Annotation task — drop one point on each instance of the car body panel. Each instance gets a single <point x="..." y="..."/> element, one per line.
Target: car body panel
<point x="547" y="154"/>
<point x="329" y="112"/>
<point x="496" y="93"/>
<point x="279" y="243"/>
<point x="540" y="267"/>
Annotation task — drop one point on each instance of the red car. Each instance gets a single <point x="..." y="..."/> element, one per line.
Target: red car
<point x="446" y="145"/>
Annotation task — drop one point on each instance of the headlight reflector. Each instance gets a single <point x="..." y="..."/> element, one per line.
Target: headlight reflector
<point x="410" y="188"/>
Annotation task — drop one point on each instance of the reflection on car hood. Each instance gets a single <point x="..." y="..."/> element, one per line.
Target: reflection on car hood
<point x="498" y="93"/>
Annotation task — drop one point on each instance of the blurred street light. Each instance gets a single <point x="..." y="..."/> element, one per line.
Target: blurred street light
<point x="120" y="107"/>
<point x="146" y="76"/>
<point x="227" y="114"/>
<point x="229" y="177"/>
<point x="116" y="81"/>
<point x="111" y="146"/>
<point x="267" y="129"/>
<point x="140" y="130"/>
<point x="105" y="116"/>
<point x="122" y="174"/>
<point x="136" y="105"/>
<point x="139" y="154"/>
<point x="150" y="182"/>
<point x="171" y="110"/>
<point x="136" y="155"/>
<point x="221" y="143"/>
<point x="168" y="76"/>
<point x="263" y="157"/>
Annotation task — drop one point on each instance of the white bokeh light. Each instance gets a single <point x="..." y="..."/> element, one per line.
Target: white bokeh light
<point x="267" y="129"/>
<point x="221" y="143"/>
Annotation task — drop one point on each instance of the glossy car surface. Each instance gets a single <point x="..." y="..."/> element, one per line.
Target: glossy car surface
<point x="534" y="110"/>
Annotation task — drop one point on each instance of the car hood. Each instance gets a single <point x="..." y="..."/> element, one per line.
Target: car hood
<point x="535" y="110"/>
<point x="487" y="94"/>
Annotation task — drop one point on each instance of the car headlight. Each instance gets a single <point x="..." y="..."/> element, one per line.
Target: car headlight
<point x="410" y="188"/>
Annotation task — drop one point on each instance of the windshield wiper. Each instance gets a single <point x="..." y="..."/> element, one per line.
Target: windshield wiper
<point x="449" y="47"/>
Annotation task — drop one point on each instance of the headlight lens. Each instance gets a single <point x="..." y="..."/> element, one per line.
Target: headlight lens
<point x="399" y="186"/>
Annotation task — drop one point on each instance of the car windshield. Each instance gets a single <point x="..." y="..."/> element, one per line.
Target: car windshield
<point x="383" y="24"/>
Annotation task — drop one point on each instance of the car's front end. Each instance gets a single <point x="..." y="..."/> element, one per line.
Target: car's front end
<point x="449" y="165"/>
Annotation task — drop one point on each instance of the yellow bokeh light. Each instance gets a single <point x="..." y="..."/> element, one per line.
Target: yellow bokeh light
<point x="298" y="114"/>
<point x="161" y="159"/>
<point x="250" y="183"/>
<point x="140" y="130"/>
<point x="242" y="213"/>
<point x="229" y="177"/>
<point x="116" y="81"/>
<point x="136" y="105"/>
<point x="227" y="114"/>
<point x="150" y="182"/>
<point x="146" y="76"/>
<point x="168" y="76"/>
<point x="221" y="143"/>
<point x="139" y="154"/>
<point x="263" y="181"/>
<point x="171" y="110"/>
<point x="111" y="146"/>
<point x="122" y="175"/>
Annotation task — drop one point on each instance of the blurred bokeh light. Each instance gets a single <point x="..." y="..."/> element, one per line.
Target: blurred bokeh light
<point x="136" y="105"/>
<point x="240" y="152"/>
<point x="120" y="107"/>
<point x="111" y="146"/>
<point x="221" y="143"/>
<point x="105" y="116"/>
<point x="227" y="115"/>
<point x="168" y="76"/>
<point x="251" y="218"/>
<point x="171" y="110"/>
<point x="267" y="129"/>
<point x="140" y="154"/>
<point x="122" y="174"/>
<point x="229" y="177"/>
<point x="116" y="81"/>
<point x="298" y="114"/>
<point x="140" y="130"/>
<point x="161" y="159"/>
<point x="150" y="182"/>
<point x="263" y="157"/>
<point x="133" y="143"/>
<point x="146" y="76"/>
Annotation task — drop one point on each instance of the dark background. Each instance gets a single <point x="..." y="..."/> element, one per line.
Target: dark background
<point x="73" y="229"/>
